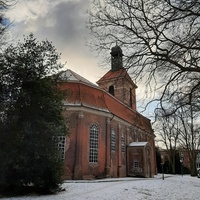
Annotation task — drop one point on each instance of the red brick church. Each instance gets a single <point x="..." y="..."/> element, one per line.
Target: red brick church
<point x="107" y="136"/>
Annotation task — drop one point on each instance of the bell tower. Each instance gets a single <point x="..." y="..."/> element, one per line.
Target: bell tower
<point x="117" y="81"/>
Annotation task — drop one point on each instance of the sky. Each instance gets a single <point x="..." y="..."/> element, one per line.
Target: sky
<point x="64" y="23"/>
<point x="173" y="187"/>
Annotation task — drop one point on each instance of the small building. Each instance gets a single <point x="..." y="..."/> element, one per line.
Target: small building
<point x="107" y="136"/>
<point x="139" y="159"/>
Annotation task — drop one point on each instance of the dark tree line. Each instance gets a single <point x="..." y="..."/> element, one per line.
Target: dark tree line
<point x="31" y="120"/>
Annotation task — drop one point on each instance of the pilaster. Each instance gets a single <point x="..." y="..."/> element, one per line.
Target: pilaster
<point x="119" y="150"/>
<point x="108" y="147"/>
<point x="78" y="159"/>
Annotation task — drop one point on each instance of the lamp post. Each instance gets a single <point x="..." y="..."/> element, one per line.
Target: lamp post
<point x="162" y="163"/>
<point x="181" y="161"/>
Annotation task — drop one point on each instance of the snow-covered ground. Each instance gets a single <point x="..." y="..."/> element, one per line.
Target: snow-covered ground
<point x="173" y="187"/>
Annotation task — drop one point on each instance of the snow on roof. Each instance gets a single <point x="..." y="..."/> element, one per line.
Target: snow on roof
<point x="70" y="75"/>
<point x="138" y="144"/>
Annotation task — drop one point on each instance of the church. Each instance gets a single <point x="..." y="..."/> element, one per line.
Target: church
<point x="107" y="136"/>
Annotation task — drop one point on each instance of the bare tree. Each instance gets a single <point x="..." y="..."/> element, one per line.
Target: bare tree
<point x="189" y="134"/>
<point x="181" y="129"/>
<point x="160" y="39"/>
<point x="4" y="24"/>
<point x="168" y="133"/>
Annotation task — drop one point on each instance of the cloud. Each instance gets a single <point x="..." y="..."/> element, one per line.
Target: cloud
<point x="24" y="10"/>
<point x="63" y="22"/>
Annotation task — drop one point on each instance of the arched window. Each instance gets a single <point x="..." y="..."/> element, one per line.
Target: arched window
<point x="111" y="90"/>
<point x="113" y="140"/>
<point x="94" y="139"/>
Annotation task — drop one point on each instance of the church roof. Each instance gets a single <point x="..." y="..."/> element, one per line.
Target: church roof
<point x="81" y="94"/>
<point x="121" y="73"/>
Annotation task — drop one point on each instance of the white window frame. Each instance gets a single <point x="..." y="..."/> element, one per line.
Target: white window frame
<point x="94" y="144"/>
<point x="113" y="140"/>
<point x="123" y="144"/>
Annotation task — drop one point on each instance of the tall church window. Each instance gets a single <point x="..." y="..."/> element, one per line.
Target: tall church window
<point x="94" y="139"/>
<point x="111" y="90"/>
<point x="113" y="140"/>
<point x="123" y="146"/>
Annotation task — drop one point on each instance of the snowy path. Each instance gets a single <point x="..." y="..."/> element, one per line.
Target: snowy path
<point x="172" y="188"/>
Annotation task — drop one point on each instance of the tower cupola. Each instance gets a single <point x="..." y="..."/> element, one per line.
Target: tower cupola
<point x="116" y="58"/>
